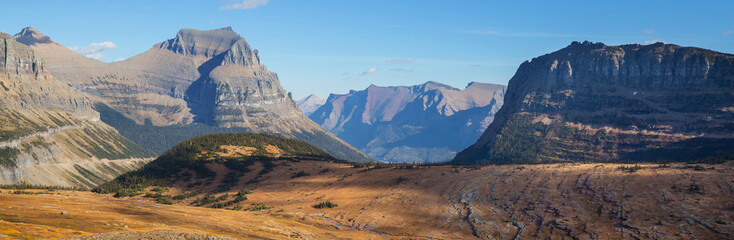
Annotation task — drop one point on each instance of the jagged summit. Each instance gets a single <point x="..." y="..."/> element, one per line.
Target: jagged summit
<point x="421" y="123"/>
<point x="30" y="36"/>
<point x="222" y="45"/>
<point x="205" y="43"/>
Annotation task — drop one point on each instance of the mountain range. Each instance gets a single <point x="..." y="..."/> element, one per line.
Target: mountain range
<point x="49" y="133"/>
<point x="196" y="83"/>
<point x="590" y="102"/>
<point x="429" y="122"/>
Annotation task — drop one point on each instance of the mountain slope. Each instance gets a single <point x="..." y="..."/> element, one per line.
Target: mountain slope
<point x="211" y="80"/>
<point x="309" y="104"/>
<point x="422" y="123"/>
<point x="49" y="133"/>
<point x="214" y="163"/>
<point x="592" y="102"/>
<point x="237" y="172"/>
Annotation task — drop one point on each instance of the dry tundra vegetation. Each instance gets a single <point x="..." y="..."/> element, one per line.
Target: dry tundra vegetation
<point x="327" y="199"/>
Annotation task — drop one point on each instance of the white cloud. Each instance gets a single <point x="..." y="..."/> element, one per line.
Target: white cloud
<point x="728" y="32"/>
<point x="94" y="50"/>
<point x="648" y="42"/>
<point x="400" y="60"/>
<point x="370" y="71"/>
<point x="245" y="4"/>
<point x="648" y="31"/>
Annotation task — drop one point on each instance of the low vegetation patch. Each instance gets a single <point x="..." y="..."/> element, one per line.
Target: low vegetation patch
<point x="300" y="174"/>
<point x="24" y="186"/>
<point x="325" y="204"/>
<point x="257" y="207"/>
<point x="630" y="169"/>
<point x="7" y="156"/>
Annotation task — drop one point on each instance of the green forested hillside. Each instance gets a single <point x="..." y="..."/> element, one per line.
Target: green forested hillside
<point x="188" y="160"/>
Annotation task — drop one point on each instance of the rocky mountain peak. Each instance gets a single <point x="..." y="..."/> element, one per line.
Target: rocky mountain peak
<point x="202" y="43"/>
<point x="309" y="104"/>
<point x="241" y="53"/>
<point x="431" y="85"/>
<point x="30" y="36"/>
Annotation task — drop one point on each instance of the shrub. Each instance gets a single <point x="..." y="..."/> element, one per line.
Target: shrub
<point x="257" y="207"/>
<point x="400" y="180"/>
<point x="185" y="195"/>
<point x="300" y="174"/>
<point x="630" y="169"/>
<point x="207" y="199"/>
<point x="326" y="204"/>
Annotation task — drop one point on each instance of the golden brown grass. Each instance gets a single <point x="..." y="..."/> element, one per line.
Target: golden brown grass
<point x="553" y="201"/>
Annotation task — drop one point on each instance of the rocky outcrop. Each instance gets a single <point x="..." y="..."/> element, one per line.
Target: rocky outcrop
<point x="197" y="82"/>
<point x="49" y="133"/>
<point x="593" y="102"/>
<point x="422" y="123"/>
<point x="309" y="104"/>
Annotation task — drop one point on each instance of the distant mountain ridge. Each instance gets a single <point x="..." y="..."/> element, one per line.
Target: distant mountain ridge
<point x="49" y="133"/>
<point x="209" y="78"/>
<point x="599" y="103"/>
<point x="429" y="122"/>
<point x="309" y="104"/>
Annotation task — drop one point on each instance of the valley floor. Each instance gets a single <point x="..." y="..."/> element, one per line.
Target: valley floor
<point x="553" y="201"/>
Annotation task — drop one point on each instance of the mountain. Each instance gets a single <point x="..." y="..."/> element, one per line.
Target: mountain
<point x="50" y="133"/>
<point x="197" y="82"/>
<point x="599" y="103"/>
<point x="194" y="164"/>
<point x="422" y="123"/>
<point x="309" y="104"/>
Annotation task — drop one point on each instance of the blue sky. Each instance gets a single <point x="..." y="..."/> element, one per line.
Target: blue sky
<point x="333" y="46"/>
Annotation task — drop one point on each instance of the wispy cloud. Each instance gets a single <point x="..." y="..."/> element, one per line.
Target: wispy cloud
<point x="346" y="73"/>
<point x="648" y="31"/>
<point x="370" y="71"/>
<point x="728" y="32"/>
<point x="402" y="70"/>
<point x="94" y="50"/>
<point x="245" y="4"/>
<point x="521" y="34"/>
<point x="400" y="60"/>
<point x="648" y="42"/>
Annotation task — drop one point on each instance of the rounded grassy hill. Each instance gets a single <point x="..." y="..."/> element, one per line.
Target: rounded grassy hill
<point x="213" y="163"/>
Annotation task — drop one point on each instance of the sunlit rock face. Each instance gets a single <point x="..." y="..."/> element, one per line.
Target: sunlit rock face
<point x="593" y="102"/>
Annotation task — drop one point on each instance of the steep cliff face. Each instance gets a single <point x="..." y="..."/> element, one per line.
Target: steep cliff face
<point x="49" y="133"/>
<point x="422" y="123"/>
<point x="592" y="102"/>
<point x="212" y="81"/>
